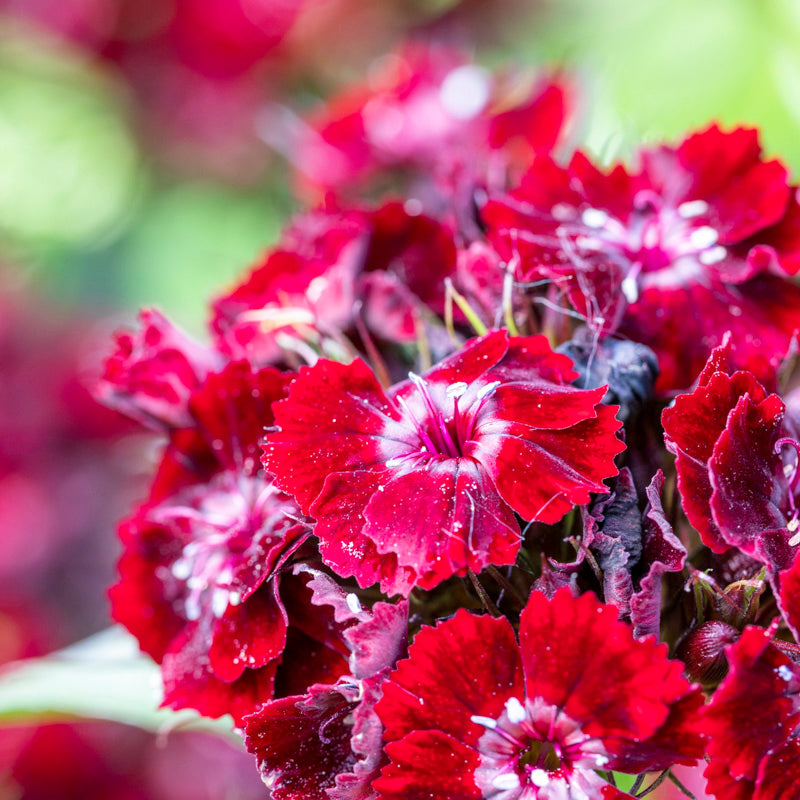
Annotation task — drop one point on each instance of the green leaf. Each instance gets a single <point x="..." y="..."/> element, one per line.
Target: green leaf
<point x="103" y="677"/>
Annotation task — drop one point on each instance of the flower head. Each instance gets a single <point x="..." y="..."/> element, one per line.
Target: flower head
<point x="707" y="226"/>
<point x="472" y="714"/>
<point x="429" y="111"/>
<point x="737" y="463"/>
<point x="419" y="483"/>
<point x="200" y="582"/>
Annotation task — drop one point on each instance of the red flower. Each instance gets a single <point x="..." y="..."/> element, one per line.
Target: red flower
<point x="199" y="576"/>
<point x="433" y="113"/>
<point x="153" y="371"/>
<point x="386" y="265"/>
<point x="690" y="244"/>
<point x="473" y="715"/>
<point x="419" y="483"/>
<point x="752" y="722"/>
<point x="736" y="462"/>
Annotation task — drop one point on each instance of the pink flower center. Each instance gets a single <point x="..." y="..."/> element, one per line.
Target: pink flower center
<point x="530" y="746"/>
<point x="655" y="238"/>
<point x="230" y="528"/>
<point x="443" y="418"/>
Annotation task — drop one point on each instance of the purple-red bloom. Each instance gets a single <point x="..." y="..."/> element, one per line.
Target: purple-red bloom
<point x="695" y="241"/>
<point x="418" y="483"/>
<point x="472" y="714"/>
<point x="736" y="461"/>
<point x="153" y="371"/>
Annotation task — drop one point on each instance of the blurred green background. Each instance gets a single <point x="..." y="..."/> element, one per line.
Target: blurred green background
<point x="103" y="203"/>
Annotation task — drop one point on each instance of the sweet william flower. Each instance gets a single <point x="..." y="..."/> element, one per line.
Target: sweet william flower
<point x="415" y="484"/>
<point x="153" y="371"/>
<point x="471" y="714"/>
<point x="430" y="113"/>
<point x="695" y="240"/>
<point x="203" y="575"/>
<point x="386" y="265"/>
<point x="736" y="460"/>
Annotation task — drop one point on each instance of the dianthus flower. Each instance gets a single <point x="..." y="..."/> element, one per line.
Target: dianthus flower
<point x="472" y="714"/>
<point x="429" y="112"/>
<point x="332" y="271"/>
<point x="695" y="241"/>
<point x="412" y="485"/>
<point x="753" y="721"/>
<point x="201" y="583"/>
<point x="736" y="460"/>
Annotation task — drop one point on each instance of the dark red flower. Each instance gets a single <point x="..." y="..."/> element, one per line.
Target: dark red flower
<point x="690" y="244"/>
<point x="431" y="112"/>
<point x="199" y="575"/>
<point x="419" y="483"/>
<point x="736" y="463"/>
<point x="752" y="723"/>
<point x="471" y="714"/>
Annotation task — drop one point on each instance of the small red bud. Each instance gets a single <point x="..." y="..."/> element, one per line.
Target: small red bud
<point x="703" y="651"/>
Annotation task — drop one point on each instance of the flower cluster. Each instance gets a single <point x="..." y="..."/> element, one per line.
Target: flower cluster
<point x="417" y="524"/>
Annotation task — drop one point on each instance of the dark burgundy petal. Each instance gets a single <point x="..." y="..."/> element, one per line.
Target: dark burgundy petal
<point x="325" y="591"/>
<point x="466" y="666"/>
<point x="692" y="426"/>
<point x="378" y="642"/>
<point x="441" y="520"/>
<point x="336" y="419"/>
<point x="680" y="740"/>
<point x="578" y="657"/>
<point x="416" y="249"/>
<point x="429" y="764"/>
<point x="750" y="490"/>
<point x="683" y="324"/>
<point x="302" y="743"/>
<point x="366" y="742"/>
<point x="788" y="597"/>
<point x="232" y="409"/>
<point x="662" y="552"/>
<point x="248" y="635"/>
<point x="306" y="660"/>
<point x="140" y="600"/>
<point x="153" y="371"/>
<point x="723" y="786"/>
